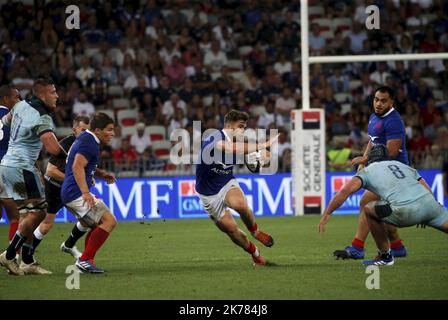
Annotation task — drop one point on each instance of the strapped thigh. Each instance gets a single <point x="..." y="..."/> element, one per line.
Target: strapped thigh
<point x="382" y="209"/>
<point x="38" y="206"/>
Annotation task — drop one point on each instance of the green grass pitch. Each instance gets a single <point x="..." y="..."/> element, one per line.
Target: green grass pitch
<point x="192" y="259"/>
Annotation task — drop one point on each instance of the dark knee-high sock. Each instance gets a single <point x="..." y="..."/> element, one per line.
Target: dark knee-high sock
<point x="27" y="253"/>
<point x="16" y="244"/>
<point x="77" y="232"/>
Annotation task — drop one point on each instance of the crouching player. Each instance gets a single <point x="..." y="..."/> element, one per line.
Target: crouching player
<point x="407" y="200"/>
<point x="219" y="190"/>
<point x="91" y="212"/>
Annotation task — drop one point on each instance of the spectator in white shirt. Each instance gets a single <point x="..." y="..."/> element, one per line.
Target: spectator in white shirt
<point x="380" y="75"/>
<point x="282" y="65"/>
<point x="218" y="30"/>
<point x="139" y="140"/>
<point x="178" y="121"/>
<point x="270" y="116"/>
<point x="284" y="104"/>
<point x="132" y="81"/>
<point x="170" y="105"/>
<point x="169" y="51"/>
<point x="86" y="72"/>
<point x="82" y="107"/>
<point x="215" y="59"/>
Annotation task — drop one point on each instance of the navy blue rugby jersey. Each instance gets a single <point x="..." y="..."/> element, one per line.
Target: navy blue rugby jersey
<point x="4" y="133"/>
<point x="389" y="127"/>
<point x="88" y="145"/>
<point x="216" y="167"/>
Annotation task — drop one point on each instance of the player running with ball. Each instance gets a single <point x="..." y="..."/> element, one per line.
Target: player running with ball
<point x="218" y="188"/>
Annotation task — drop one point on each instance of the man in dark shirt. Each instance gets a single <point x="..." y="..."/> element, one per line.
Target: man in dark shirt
<point x="54" y="176"/>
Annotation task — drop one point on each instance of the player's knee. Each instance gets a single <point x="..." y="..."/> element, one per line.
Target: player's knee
<point x="240" y="207"/>
<point x="364" y="202"/>
<point x="369" y="210"/>
<point x="109" y="221"/>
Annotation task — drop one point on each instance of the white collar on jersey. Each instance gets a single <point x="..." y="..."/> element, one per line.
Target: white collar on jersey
<point x="3" y="107"/>
<point x="226" y="135"/>
<point x="96" y="138"/>
<point x="388" y="113"/>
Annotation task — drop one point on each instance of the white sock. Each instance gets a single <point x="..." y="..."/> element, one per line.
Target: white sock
<point x="38" y="234"/>
<point x="81" y="227"/>
<point x="256" y="253"/>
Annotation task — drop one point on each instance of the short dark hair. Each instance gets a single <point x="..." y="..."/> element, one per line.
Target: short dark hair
<point x="100" y="121"/>
<point x="79" y="119"/>
<point x="386" y="89"/>
<point x="5" y="90"/>
<point x="235" y="115"/>
<point x="41" y="83"/>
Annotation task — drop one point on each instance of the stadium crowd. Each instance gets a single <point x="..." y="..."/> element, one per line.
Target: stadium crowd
<point x="160" y="65"/>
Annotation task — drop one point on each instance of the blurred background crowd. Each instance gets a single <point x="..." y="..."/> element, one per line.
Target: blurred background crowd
<point x="156" y="66"/>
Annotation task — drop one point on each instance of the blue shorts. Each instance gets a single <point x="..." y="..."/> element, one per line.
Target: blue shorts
<point x="20" y="184"/>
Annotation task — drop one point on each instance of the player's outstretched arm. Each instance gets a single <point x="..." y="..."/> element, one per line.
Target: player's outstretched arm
<point x="103" y="174"/>
<point x="351" y="187"/>
<point x="361" y="161"/>
<point x="51" y="143"/>
<point x="245" y="147"/>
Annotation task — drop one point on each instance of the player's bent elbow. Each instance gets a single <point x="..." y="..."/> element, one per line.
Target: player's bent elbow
<point x="54" y="150"/>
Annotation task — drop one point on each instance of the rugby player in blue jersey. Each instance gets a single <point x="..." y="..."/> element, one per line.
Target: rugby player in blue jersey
<point x="409" y="200"/>
<point x="9" y="96"/>
<point x="91" y="212"/>
<point x="218" y="189"/>
<point x="387" y="128"/>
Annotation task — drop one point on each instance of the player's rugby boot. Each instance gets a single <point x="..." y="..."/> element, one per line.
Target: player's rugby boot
<point x="259" y="261"/>
<point x="264" y="238"/>
<point x="88" y="266"/>
<point x="399" y="252"/>
<point x="380" y="260"/>
<point x="33" y="268"/>
<point x="11" y="265"/>
<point x="73" y="251"/>
<point x="350" y="252"/>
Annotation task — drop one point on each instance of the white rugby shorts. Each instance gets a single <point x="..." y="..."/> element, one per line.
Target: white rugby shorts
<point x="91" y="216"/>
<point x="215" y="205"/>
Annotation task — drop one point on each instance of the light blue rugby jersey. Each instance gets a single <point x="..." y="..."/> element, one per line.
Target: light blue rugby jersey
<point x="393" y="181"/>
<point x="30" y="119"/>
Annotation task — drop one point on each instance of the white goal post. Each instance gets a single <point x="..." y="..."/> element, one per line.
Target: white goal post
<point x="308" y="178"/>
